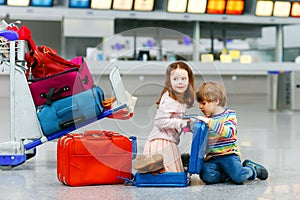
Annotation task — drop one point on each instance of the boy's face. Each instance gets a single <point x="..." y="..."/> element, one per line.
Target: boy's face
<point x="208" y="108"/>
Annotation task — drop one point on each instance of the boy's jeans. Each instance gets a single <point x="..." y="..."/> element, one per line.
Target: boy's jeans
<point x="226" y="168"/>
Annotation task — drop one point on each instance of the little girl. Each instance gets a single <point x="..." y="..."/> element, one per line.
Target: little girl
<point x="161" y="148"/>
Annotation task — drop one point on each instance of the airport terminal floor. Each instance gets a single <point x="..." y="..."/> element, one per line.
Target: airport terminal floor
<point x="271" y="138"/>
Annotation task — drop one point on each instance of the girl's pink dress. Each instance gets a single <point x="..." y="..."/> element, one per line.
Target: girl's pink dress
<point x="165" y="135"/>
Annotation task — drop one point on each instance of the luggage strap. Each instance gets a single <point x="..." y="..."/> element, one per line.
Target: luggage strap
<point x="53" y="93"/>
<point x="128" y="182"/>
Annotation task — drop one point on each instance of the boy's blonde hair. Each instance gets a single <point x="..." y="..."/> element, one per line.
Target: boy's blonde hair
<point x="210" y="91"/>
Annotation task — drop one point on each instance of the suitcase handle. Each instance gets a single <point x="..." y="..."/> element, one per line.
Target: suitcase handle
<point x="68" y="109"/>
<point x="99" y="133"/>
<point x="54" y="92"/>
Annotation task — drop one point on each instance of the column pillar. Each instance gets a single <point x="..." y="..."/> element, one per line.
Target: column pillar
<point x="279" y="43"/>
<point x="196" y="42"/>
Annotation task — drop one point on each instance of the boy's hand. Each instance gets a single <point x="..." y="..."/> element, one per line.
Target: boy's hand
<point x="196" y="117"/>
<point x="202" y="118"/>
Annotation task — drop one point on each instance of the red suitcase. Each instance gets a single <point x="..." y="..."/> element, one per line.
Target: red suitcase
<point x="93" y="158"/>
<point x="61" y="156"/>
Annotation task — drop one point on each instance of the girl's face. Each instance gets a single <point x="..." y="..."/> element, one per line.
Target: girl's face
<point x="179" y="80"/>
<point x="208" y="108"/>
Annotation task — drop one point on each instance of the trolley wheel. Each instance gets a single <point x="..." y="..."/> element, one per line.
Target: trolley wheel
<point x="31" y="154"/>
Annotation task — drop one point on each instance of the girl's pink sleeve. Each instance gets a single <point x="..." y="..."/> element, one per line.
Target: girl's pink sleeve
<point x="166" y="110"/>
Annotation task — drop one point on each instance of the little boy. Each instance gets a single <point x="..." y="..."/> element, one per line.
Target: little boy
<point x="222" y="160"/>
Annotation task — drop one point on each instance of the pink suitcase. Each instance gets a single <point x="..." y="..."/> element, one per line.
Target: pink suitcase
<point x="64" y="84"/>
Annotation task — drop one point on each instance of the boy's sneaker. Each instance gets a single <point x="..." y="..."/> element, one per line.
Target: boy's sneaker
<point x="147" y="164"/>
<point x="261" y="171"/>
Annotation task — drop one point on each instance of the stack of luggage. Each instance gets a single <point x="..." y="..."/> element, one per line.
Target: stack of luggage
<point x="57" y="97"/>
<point x="67" y="98"/>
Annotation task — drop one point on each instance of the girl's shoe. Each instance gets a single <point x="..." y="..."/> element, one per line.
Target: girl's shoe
<point x="261" y="171"/>
<point x="147" y="164"/>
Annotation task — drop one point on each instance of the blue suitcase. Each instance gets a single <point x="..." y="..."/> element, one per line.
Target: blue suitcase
<point x="179" y="179"/>
<point x="198" y="147"/>
<point x="166" y="179"/>
<point x="69" y="111"/>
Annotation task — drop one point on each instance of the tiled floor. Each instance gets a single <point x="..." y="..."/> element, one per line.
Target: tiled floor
<point x="271" y="138"/>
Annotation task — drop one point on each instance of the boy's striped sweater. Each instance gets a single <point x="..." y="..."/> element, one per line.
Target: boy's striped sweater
<point x="222" y="134"/>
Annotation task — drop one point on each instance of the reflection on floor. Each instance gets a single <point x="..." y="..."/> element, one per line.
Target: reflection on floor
<point x="268" y="137"/>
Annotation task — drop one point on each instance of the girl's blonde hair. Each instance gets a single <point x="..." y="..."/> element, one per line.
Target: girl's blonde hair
<point x="210" y="91"/>
<point x="189" y="96"/>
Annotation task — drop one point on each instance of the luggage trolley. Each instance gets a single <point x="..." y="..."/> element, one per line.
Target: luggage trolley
<point x="25" y="130"/>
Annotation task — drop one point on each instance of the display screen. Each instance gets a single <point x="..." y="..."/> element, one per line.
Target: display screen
<point x="216" y="6"/>
<point x="177" y="5"/>
<point x="103" y="4"/>
<point x="264" y="8"/>
<point x="295" y="11"/>
<point x="144" y="55"/>
<point x="79" y="3"/>
<point x="235" y="7"/>
<point x="197" y="6"/>
<point x="143" y="5"/>
<point x="122" y="4"/>
<point x="282" y="9"/>
<point x="18" y="2"/>
<point x="41" y="3"/>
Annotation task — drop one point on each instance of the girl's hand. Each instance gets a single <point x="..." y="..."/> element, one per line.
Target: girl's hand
<point x="184" y="123"/>
<point x="185" y="126"/>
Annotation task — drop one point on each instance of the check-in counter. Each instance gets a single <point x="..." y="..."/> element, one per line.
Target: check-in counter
<point x="147" y="78"/>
